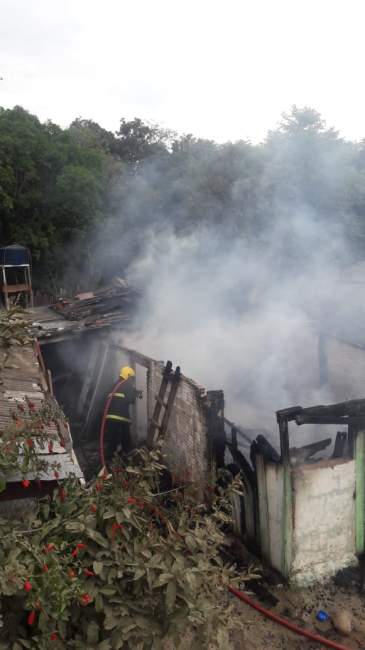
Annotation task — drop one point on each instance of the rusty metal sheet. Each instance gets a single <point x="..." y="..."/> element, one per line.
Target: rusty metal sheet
<point x="20" y="378"/>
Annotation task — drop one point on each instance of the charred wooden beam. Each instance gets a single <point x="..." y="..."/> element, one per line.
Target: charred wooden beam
<point x="303" y="418"/>
<point x="302" y="454"/>
<point x="215" y="423"/>
<point x="242" y="463"/>
<point x="263" y="447"/>
<point x="350" y="408"/>
<point x="288" y="414"/>
<point x="341" y="413"/>
<point x="340" y="444"/>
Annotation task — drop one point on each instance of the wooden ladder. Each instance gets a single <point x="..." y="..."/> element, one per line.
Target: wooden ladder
<point x="164" y="405"/>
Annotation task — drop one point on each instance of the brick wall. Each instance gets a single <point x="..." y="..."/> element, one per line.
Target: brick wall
<point x="186" y="442"/>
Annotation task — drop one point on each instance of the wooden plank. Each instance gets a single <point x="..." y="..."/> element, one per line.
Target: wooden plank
<point x="103" y="359"/>
<point x="350" y="408"/>
<point x="89" y="379"/>
<point x="15" y="288"/>
<point x="340" y="445"/>
<point x="287" y="524"/>
<point x="263" y="507"/>
<point x="304" y="418"/>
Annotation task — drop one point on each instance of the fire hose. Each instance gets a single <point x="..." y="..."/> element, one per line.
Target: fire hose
<point x="284" y="622"/>
<point x="102" y="428"/>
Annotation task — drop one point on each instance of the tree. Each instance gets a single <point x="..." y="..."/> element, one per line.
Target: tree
<point x="138" y="140"/>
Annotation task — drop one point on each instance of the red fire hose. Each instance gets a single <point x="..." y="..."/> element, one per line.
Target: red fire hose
<point x="102" y="428"/>
<point x="284" y="622"/>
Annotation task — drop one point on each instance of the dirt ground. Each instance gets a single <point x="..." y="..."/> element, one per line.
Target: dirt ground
<point x="300" y="606"/>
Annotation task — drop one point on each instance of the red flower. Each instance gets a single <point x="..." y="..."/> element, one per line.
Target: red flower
<point x="28" y="586"/>
<point x="53" y="636"/>
<point x="62" y="441"/>
<point x="31" y="406"/>
<point x="131" y="501"/>
<point x="30" y="443"/>
<point x="93" y="507"/>
<point x="31" y="618"/>
<point x="116" y="527"/>
<point x="21" y="408"/>
<point x="50" y="447"/>
<point x="45" y="568"/>
<point x="56" y="474"/>
<point x="26" y="483"/>
<point x="71" y="573"/>
<point x="77" y="548"/>
<point x="48" y="548"/>
<point x="62" y="495"/>
<point x="98" y="487"/>
<point x="85" y="599"/>
<point x="88" y="573"/>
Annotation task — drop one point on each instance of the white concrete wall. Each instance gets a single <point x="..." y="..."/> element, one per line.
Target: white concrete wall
<point x="323" y="520"/>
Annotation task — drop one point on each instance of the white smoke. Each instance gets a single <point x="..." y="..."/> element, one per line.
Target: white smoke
<point x="236" y="317"/>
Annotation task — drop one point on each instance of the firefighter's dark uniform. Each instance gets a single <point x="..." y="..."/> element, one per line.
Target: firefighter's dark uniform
<point x="118" y="420"/>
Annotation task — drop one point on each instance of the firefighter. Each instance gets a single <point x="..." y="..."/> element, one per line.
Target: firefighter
<point x="117" y="420"/>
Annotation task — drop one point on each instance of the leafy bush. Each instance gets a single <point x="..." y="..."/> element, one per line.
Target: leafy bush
<point x="121" y="563"/>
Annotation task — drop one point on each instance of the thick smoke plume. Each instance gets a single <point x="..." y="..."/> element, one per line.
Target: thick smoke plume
<point x="239" y="297"/>
<point x="234" y="318"/>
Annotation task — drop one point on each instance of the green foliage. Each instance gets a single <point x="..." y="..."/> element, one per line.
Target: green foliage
<point x="117" y="565"/>
<point x="83" y="198"/>
<point x="51" y="188"/>
<point x="138" y="140"/>
<point x="14" y="328"/>
<point x="21" y="443"/>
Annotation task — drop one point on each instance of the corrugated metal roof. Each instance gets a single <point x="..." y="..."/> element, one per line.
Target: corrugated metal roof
<point x="22" y="379"/>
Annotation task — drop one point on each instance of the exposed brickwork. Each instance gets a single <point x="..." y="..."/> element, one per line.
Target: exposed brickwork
<point x="186" y="440"/>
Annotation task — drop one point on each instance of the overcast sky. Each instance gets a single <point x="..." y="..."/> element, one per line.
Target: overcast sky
<point x="222" y="69"/>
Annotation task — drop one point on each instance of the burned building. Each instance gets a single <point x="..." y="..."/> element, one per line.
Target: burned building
<point x="303" y="502"/>
<point x="83" y="347"/>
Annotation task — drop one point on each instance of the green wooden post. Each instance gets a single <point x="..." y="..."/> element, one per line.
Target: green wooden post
<point x="360" y="490"/>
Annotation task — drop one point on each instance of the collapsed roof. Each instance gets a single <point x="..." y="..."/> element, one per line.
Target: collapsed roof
<point x="87" y="311"/>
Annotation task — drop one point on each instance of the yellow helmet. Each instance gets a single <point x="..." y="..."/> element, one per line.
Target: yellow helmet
<point x="126" y="372"/>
